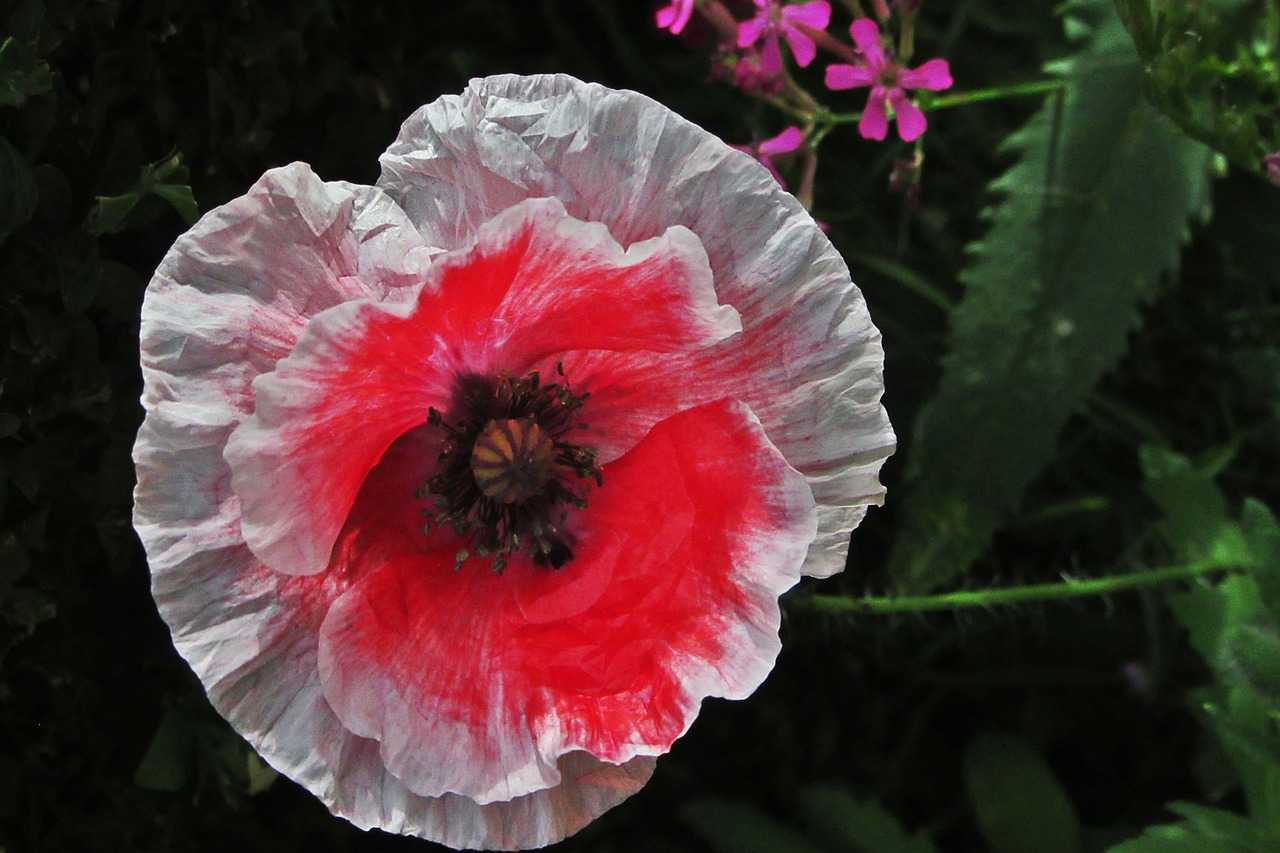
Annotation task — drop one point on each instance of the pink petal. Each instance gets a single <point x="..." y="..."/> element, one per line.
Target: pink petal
<point x="849" y="76"/>
<point x="934" y="75"/>
<point x="815" y="15"/>
<point x="672" y="597"/>
<point x="787" y="141"/>
<point x="911" y="121"/>
<point x="875" y="120"/>
<point x="801" y="45"/>
<point x="536" y="283"/>
<point x="771" y="56"/>
<point x="749" y="32"/>
<point x="819" y="403"/>
<point x="866" y="35"/>
<point x="675" y="16"/>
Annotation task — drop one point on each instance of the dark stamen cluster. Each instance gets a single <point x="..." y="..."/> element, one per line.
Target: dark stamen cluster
<point x="507" y="474"/>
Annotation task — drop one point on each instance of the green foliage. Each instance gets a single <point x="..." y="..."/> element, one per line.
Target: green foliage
<point x="1235" y="626"/>
<point x="1203" y="830"/>
<point x="1019" y="804"/>
<point x="1214" y="69"/>
<point x="835" y="822"/>
<point x="166" y="180"/>
<point x="841" y="821"/>
<point x="732" y="827"/>
<point x="193" y="744"/>
<point x="1091" y="220"/>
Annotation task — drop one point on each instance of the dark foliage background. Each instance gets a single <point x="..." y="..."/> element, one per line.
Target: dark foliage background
<point x="110" y="109"/>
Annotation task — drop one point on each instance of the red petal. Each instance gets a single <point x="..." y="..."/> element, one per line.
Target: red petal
<point x="536" y="283"/>
<point x="476" y="683"/>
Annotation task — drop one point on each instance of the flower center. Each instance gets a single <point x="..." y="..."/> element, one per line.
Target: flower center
<point x="512" y="460"/>
<point x="507" y="474"/>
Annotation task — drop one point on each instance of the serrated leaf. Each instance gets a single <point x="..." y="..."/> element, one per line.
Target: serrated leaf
<point x="1091" y="220"/>
<point x="1018" y="802"/>
<point x="1196" y="522"/>
<point x="1262" y="534"/>
<point x="734" y="827"/>
<point x="838" y="820"/>
<point x="1210" y="612"/>
<point x="1246" y="725"/>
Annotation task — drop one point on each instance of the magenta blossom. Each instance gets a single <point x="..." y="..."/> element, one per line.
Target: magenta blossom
<point x="773" y="20"/>
<point x="889" y="82"/>
<point x="675" y="16"/>
<point x="774" y="148"/>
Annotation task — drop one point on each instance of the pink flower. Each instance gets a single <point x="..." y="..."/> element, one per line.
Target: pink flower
<point x="774" y="20"/>
<point x="1271" y="167"/>
<point x="675" y="16"/>
<point x="462" y="491"/>
<point x="770" y="150"/>
<point x="888" y="82"/>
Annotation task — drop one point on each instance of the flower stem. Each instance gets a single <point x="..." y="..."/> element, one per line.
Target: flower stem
<point x="930" y="101"/>
<point x="836" y="604"/>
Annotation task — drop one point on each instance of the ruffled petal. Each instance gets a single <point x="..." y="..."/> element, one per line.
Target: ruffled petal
<point x="363" y="374"/>
<point x="229" y="300"/>
<point x="671" y="597"/>
<point x="934" y="75"/>
<point x="620" y="159"/>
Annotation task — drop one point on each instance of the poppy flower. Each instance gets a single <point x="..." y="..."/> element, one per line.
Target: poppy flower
<point x="462" y="491"/>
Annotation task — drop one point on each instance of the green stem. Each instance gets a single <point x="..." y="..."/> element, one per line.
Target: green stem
<point x="928" y="101"/>
<point x="836" y="604"/>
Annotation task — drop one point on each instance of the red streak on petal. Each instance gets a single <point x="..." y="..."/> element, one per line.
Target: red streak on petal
<point x="612" y="653"/>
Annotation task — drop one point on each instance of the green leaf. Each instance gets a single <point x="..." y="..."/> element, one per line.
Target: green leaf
<point x="734" y="827"/>
<point x="1196" y="521"/>
<point x="17" y="189"/>
<point x="1092" y="218"/>
<point x="1262" y="534"/>
<point x="1205" y="830"/>
<point x="261" y="775"/>
<point x="1019" y="804"/>
<point x="168" y="762"/>
<point x="838" y="820"/>
<point x="165" y="180"/>
<point x="1246" y="725"/>
<point x="182" y="200"/>
<point x="22" y="75"/>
